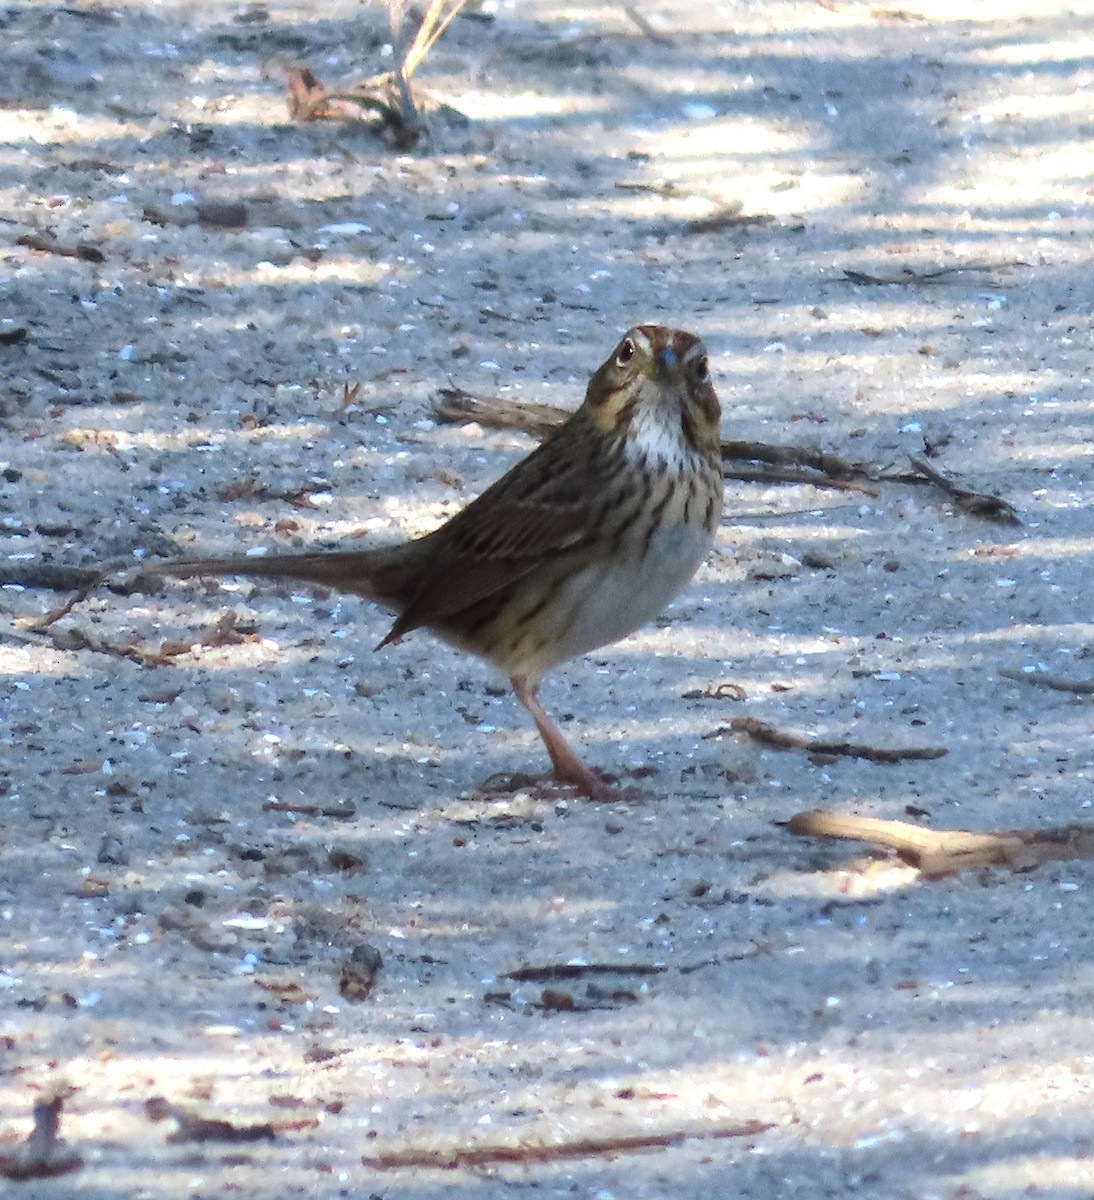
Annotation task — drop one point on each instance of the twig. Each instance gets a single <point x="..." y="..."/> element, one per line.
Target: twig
<point x="730" y="217"/>
<point x="589" y="1147"/>
<point x="755" y="950"/>
<point x="905" y="279"/>
<point x="409" y="126"/>
<point x="787" y="464"/>
<point x="578" y="42"/>
<point x="81" y="594"/>
<point x="716" y="691"/>
<point x="195" y="1128"/>
<point x="553" y="972"/>
<point x="973" y="504"/>
<point x="71" y="639"/>
<point x="342" y="809"/>
<point x="53" y="577"/>
<point x="654" y="35"/>
<point x="795" y="464"/>
<point x="1058" y="683"/>
<point x="777" y="739"/>
<point x="910" y="278"/>
<point x="938" y="852"/>
<point x="797" y="456"/>
<point x="670" y="191"/>
<point x="806" y="475"/>
<point x="430" y="31"/>
<point x="50" y="245"/>
<point x="454" y="406"/>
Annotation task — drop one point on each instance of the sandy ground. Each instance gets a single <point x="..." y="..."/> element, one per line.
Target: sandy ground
<point x="192" y="847"/>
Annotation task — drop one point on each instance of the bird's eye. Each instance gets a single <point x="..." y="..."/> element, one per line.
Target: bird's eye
<point x="702" y="368"/>
<point x="626" y="352"/>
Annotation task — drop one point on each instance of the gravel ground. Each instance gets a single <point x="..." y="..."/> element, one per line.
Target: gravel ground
<point x="216" y="799"/>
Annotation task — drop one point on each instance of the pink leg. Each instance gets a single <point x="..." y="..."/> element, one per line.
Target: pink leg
<point x="568" y="767"/>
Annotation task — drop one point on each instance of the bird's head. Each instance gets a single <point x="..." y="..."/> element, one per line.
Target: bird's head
<point x="656" y="387"/>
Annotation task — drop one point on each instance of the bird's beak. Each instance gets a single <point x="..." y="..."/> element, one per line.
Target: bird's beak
<point x="668" y="360"/>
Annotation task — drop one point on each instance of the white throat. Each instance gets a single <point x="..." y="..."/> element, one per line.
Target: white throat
<point x="651" y="440"/>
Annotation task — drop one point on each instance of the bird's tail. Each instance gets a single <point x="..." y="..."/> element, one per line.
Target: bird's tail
<point x="386" y="574"/>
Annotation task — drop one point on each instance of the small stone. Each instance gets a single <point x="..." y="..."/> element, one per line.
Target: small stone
<point x="222" y="215"/>
<point x="346" y="861"/>
<point x="359" y="972"/>
<point x="112" y="852"/>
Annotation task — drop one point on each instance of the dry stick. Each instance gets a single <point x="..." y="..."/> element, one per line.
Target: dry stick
<point x="341" y="809"/>
<point x="589" y="1147"/>
<point x="654" y="35"/>
<point x="910" y="278"/>
<point x="790" y="475"/>
<point x="454" y="406"/>
<point x="938" y="852"/>
<point x="577" y="41"/>
<point x="777" y="739"/>
<point x="727" y="218"/>
<point x="1058" y="683"/>
<point x="48" y="576"/>
<point x="670" y="191"/>
<point x="429" y="33"/>
<point x="797" y="456"/>
<point x="192" y="1127"/>
<point x="973" y="504"/>
<point x="226" y="632"/>
<point x="795" y="464"/>
<point x="85" y="590"/>
<point x="71" y="639"/>
<point x="716" y="691"/>
<point x="49" y="245"/>
<point x="552" y="972"/>
<point x="410" y="126"/>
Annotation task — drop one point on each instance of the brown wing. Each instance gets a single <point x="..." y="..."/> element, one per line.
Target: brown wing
<point x="551" y="503"/>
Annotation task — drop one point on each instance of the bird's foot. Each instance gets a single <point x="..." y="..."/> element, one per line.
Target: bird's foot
<point x="551" y="786"/>
<point x="575" y="776"/>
